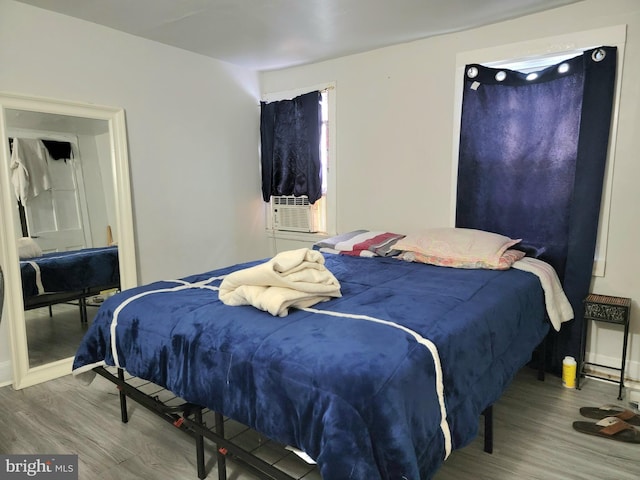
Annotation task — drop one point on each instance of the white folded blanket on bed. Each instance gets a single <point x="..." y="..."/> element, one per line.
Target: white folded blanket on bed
<point x="295" y="278"/>
<point x="559" y="309"/>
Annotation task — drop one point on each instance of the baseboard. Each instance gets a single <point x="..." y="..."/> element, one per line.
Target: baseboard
<point x="6" y="374"/>
<point x="631" y="369"/>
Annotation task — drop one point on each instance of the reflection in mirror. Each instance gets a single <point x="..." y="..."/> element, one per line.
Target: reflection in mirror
<point x="61" y="172"/>
<point x="67" y="241"/>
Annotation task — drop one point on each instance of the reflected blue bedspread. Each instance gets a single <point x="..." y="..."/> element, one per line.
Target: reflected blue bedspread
<point x="357" y="395"/>
<point x="70" y="271"/>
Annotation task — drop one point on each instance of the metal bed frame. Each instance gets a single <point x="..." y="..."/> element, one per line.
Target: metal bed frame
<point x="202" y="423"/>
<point x="50" y="299"/>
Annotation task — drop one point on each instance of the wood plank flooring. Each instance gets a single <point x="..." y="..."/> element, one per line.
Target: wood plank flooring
<point x="55" y="337"/>
<point x="533" y="437"/>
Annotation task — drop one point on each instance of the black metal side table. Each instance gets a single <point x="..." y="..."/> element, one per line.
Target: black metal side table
<point x="605" y="308"/>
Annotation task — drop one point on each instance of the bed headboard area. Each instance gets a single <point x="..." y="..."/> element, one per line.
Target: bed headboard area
<point x="532" y="156"/>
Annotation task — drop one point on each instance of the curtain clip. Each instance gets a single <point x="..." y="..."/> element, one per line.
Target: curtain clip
<point x="598" y="54"/>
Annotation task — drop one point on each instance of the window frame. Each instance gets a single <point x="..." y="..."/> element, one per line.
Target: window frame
<point x="534" y="51"/>
<point x="330" y="197"/>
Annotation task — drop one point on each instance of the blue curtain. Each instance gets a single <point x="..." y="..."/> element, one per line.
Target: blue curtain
<point x="290" y="147"/>
<point x="533" y="149"/>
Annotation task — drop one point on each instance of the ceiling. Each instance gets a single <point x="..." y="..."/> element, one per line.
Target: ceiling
<point x="273" y="34"/>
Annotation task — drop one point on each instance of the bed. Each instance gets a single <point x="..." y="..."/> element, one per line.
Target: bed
<point x="380" y="383"/>
<point x="61" y="277"/>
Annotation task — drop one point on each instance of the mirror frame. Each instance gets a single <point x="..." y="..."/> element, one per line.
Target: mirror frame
<point x="23" y="375"/>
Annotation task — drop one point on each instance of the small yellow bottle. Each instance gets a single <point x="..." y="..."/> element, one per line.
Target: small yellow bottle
<point x="569" y="372"/>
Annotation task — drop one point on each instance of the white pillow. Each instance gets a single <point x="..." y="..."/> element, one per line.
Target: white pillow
<point x="457" y="247"/>
<point x="28" y="248"/>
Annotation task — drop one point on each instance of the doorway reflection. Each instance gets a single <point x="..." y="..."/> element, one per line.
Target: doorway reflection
<point x="69" y="225"/>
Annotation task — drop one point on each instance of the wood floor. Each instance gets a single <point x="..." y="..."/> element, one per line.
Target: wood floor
<point x="533" y="437"/>
<point x="55" y="336"/>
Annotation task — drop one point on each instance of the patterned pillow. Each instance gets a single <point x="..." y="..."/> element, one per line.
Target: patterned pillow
<point x="507" y="259"/>
<point x="459" y="248"/>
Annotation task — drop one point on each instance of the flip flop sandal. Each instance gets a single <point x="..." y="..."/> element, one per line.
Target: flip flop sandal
<point x="599" y="413"/>
<point x="610" y="427"/>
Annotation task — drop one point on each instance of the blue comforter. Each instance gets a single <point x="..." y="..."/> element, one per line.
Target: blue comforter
<point x="353" y="381"/>
<point x="70" y="271"/>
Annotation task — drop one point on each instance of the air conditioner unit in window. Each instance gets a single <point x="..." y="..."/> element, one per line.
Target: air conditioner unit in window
<point x="294" y="214"/>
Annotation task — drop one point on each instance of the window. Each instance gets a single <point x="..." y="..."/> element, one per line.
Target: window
<point x="534" y="55"/>
<point x="324" y="208"/>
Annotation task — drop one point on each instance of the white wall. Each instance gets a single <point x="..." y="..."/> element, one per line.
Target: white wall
<point x="93" y="150"/>
<point x="395" y="137"/>
<point x="192" y="128"/>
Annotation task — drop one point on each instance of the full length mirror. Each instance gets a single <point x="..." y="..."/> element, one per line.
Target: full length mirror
<point x="67" y="236"/>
